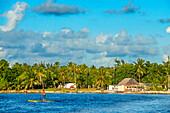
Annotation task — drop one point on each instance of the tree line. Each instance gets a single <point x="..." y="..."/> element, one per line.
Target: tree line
<point x="24" y="76"/>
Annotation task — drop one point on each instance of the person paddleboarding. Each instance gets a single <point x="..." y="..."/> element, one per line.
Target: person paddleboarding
<point x="44" y="99"/>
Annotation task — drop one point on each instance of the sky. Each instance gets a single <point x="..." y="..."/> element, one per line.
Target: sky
<point x="94" y="32"/>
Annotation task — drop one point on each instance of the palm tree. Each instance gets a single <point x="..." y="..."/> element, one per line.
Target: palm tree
<point x="92" y="75"/>
<point x="5" y="75"/>
<point x="51" y="78"/>
<point x="118" y="62"/>
<point x="4" y="84"/>
<point x="63" y="74"/>
<point x="140" y="67"/>
<point x="101" y="79"/>
<point x="147" y="66"/>
<point x="116" y="66"/>
<point x="29" y="76"/>
<point x="84" y="73"/>
<point x="72" y="67"/>
<point x="17" y="84"/>
<point x="28" y="80"/>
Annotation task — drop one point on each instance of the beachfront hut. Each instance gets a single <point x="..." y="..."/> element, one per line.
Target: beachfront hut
<point x="128" y="84"/>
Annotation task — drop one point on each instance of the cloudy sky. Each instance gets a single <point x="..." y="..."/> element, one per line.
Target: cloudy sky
<point x="94" y="32"/>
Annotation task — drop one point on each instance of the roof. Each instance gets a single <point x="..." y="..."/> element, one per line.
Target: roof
<point x="128" y="81"/>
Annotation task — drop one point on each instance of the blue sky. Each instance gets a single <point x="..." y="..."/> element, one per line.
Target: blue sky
<point x="94" y="32"/>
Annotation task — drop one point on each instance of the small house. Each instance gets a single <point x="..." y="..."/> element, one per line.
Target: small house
<point x="70" y="85"/>
<point x="128" y="84"/>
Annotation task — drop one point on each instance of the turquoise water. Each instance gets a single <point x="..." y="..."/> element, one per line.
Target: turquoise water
<point x="92" y="103"/>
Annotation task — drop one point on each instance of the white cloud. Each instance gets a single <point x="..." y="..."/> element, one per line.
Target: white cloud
<point x="129" y="8"/>
<point x="168" y="30"/>
<point x="167" y="49"/>
<point x="14" y="16"/>
<point x="45" y="34"/>
<point x="104" y="61"/>
<point x="102" y="38"/>
<point x="122" y="38"/>
<point x="51" y="8"/>
<point x="68" y="45"/>
<point x="123" y="33"/>
<point x="116" y="35"/>
<point x="68" y="33"/>
<point x="3" y="54"/>
<point x="142" y="41"/>
<point x="66" y="30"/>
<point x="45" y="43"/>
<point x="103" y="53"/>
<point x="85" y="30"/>
<point x="165" y="57"/>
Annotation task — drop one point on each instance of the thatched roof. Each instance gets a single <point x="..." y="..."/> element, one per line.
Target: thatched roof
<point x="128" y="81"/>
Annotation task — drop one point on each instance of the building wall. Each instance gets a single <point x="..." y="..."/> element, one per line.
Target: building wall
<point x="135" y="87"/>
<point x="129" y="88"/>
<point x="111" y="87"/>
<point x="119" y="88"/>
<point x="68" y="85"/>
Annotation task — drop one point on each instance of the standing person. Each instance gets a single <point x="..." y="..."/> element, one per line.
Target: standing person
<point x="43" y="95"/>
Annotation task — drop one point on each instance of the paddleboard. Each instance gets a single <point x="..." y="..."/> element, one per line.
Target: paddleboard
<point x="39" y="101"/>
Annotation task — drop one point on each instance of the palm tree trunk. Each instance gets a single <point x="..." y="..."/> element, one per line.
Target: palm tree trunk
<point x="139" y="78"/>
<point x="43" y="85"/>
<point x="114" y="76"/>
<point x="86" y="79"/>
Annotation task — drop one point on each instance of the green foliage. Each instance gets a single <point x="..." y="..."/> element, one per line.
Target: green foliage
<point x="24" y="76"/>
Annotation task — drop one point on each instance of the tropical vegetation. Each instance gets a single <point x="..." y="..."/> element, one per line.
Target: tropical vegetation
<point x="24" y="76"/>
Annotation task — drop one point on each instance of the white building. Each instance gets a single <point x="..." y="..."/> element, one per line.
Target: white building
<point x="129" y="84"/>
<point x="70" y="85"/>
<point x="111" y="87"/>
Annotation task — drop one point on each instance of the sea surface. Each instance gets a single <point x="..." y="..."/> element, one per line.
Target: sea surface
<point x="86" y="103"/>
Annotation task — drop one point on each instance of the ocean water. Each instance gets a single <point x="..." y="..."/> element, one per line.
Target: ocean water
<point x="86" y="103"/>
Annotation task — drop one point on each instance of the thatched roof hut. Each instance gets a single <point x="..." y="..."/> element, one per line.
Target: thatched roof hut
<point x="128" y="81"/>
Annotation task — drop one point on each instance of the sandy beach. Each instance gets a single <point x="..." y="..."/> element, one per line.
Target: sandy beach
<point x="97" y="91"/>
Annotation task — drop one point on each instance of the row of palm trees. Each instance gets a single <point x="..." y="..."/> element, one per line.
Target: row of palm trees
<point x="24" y="76"/>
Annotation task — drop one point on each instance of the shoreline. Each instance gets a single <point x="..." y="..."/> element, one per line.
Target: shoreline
<point x="98" y="91"/>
